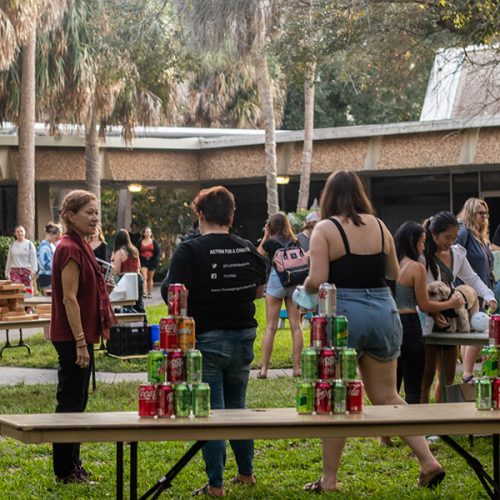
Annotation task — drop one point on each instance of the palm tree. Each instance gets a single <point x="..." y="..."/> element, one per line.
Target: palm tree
<point x="247" y="26"/>
<point x="19" y="23"/>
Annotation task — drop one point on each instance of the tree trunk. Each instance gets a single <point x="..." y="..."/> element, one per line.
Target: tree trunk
<point x="305" y="175"/>
<point x="124" y="209"/>
<point x="26" y="173"/>
<point x="92" y="164"/>
<point x="266" y="100"/>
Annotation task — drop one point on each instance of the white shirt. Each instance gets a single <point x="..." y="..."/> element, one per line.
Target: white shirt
<point x="21" y="254"/>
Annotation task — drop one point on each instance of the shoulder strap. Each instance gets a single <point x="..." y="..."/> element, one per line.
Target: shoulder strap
<point x="381" y="234"/>
<point x="342" y="234"/>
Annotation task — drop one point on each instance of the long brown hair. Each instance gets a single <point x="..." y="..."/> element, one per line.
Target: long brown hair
<point x="280" y="226"/>
<point x="345" y="195"/>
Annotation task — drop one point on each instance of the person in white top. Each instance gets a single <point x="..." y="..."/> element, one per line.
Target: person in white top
<point x="22" y="263"/>
<point x="445" y="261"/>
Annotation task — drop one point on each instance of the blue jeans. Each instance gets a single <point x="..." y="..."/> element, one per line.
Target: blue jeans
<point x="227" y="355"/>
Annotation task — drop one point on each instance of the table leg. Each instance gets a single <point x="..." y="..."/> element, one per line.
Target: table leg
<point x="496" y="458"/>
<point x="443" y="376"/>
<point x="93" y="373"/>
<point x="133" y="470"/>
<point x="119" y="471"/>
<point x="8" y="345"/>
<point x="21" y="341"/>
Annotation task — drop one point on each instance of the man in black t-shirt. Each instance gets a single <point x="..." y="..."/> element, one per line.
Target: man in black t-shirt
<point x="223" y="274"/>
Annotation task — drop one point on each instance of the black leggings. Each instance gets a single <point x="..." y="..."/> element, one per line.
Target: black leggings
<point x="412" y="358"/>
<point x="72" y="395"/>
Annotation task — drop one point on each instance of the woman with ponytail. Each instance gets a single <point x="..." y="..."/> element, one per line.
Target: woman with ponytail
<point x="445" y="262"/>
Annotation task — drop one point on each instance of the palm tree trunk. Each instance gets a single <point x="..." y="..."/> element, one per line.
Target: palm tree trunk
<point x="92" y="165"/>
<point x="266" y="99"/>
<point x="26" y="174"/>
<point x="305" y="175"/>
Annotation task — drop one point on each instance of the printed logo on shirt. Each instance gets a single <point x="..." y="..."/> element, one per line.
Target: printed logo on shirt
<point x="213" y="276"/>
<point x="214" y="265"/>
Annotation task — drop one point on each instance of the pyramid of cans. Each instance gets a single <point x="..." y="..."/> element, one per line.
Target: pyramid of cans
<point x="329" y="381"/>
<point x="488" y="386"/>
<point x="175" y="386"/>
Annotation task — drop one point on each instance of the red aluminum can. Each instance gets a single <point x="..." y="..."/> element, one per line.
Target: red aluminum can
<point x="323" y="397"/>
<point x="495" y="393"/>
<point x="175" y="366"/>
<point x="164" y="400"/>
<point x="168" y="333"/>
<point x="147" y="400"/>
<point x="354" y="396"/>
<point x="318" y="331"/>
<point x="326" y="363"/>
<point x="177" y="299"/>
<point x="494" y="330"/>
<point x="186" y="334"/>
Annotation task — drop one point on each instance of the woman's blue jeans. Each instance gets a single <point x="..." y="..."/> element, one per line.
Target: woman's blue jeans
<point x="227" y="355"/>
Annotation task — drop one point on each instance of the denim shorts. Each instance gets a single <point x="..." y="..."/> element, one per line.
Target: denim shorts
<point x="374" y="323"/>
<point x="275" y="288"/>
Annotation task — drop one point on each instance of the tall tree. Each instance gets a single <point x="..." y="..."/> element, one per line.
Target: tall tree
<point x="245" y="26"/>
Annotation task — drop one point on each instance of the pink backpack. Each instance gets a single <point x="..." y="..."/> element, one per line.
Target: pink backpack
<point x="291" y="264"/>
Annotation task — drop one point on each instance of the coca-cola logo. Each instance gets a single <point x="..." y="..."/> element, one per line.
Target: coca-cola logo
<point x="170" y="328"/>
<point x="354" y="391"/>
<point x="147" y="394"/>
<point x="172" y="295"/>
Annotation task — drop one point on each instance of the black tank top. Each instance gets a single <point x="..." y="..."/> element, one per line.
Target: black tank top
<point x="358" y="271"/>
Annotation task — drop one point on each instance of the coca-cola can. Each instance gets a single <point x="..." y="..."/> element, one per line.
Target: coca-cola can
<point x="323" y="397"/>
<point x="354" y="396"/>
<point x="495" y="393"/>
<point x="494" y="330"/>
<point x="147" y="401"/>
<point x="318" y="331"/>
<point x="326" y="363"/>
<point x="177" y="299"/>
<point x="164" y="400"/>
<point x="175" y="366"/>
<point x="168" y="333"/>
<point x="327" y="299"/>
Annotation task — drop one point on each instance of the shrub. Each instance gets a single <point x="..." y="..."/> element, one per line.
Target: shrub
<point x="5" y="242"/>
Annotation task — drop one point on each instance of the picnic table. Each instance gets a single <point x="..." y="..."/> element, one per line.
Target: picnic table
<point x="40" y="299"/>
<point x="273" y="423"/>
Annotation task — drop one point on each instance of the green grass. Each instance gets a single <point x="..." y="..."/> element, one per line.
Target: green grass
<point x="282" y="467"/>
<point x="43" y="354"/>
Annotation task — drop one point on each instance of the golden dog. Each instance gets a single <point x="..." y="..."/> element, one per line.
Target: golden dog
<point x="440" y="292"/>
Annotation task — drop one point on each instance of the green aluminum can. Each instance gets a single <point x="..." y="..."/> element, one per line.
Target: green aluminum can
<point x="309" y="364"/>
<point x="193" y="367"/>
<point x="339" y="396"/>
<point x="201" y="400"/>
<point x="305" y="398"/>
<point x="156" y="367"/>
<point x="182" y="398"/>
<point x="489" y="357"/>
<point x="483" y="393"/>
<point x="348" y="364"/>
<point x="340" y="331"/>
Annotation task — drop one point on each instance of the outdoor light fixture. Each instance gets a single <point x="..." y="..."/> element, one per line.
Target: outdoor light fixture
<point x="283" y="179"/>
<point x="135" y="188"/>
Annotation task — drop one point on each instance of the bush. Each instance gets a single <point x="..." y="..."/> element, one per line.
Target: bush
<point x="5" y="242"/>
<point x="161" y="272"/>
<point x="298" y="220"/>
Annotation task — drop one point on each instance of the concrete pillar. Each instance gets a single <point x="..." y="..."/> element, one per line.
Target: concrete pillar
<point x="43" y="211"/>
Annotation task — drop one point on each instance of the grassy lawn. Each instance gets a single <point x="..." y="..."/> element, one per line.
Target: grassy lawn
<point x="44" y="356"/>
<point x="282" y="466"/>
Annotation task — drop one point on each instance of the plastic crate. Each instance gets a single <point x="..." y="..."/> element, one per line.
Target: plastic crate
<point x="129" y="339"/>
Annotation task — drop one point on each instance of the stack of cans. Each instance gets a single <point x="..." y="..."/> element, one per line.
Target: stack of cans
<point x="175" y="386"/>
<point x="329" y="378"/>
<point x="488" y="386"/>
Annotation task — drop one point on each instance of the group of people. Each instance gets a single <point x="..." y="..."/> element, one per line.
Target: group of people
<point x="225" y="273"/>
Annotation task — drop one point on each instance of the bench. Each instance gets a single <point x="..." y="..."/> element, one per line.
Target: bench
<point x="273" y="423"/>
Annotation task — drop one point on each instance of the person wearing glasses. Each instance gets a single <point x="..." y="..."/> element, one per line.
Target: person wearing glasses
<point x="473" y="235"/>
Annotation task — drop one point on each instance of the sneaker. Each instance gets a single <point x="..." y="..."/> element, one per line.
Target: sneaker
<point x="150" y="296"/>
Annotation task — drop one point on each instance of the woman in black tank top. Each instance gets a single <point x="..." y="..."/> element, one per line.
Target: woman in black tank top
<point x="362" y="295"/>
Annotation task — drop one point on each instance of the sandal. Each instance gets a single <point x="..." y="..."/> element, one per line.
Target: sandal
<point x="431" y="479"/>
<point x="237" y="480"/>
<point x="261" y="375"/>
<point x="203" y="491"/>
<point x="314" y="487"/>
<point x="468" y="380"/>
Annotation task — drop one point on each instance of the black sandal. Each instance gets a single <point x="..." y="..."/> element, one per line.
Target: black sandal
<point x="314" y="487"/>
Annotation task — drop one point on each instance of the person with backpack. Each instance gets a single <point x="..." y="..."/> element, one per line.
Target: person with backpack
<point x="278" y="236"/>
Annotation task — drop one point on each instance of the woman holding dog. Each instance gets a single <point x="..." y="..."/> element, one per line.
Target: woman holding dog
<point x="473" y="235"/>
<point x="411" y="291"/>
<point x="353" y="249"/>
<point x="445" y="261"/>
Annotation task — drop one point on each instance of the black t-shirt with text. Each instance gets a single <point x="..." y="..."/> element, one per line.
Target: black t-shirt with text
<point x="222" y="273"/>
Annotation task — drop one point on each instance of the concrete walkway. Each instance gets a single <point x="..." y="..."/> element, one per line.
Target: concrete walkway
<point x="12" y="375"/>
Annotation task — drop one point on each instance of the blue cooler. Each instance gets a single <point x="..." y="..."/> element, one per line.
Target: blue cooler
<point x="155" y="334"/>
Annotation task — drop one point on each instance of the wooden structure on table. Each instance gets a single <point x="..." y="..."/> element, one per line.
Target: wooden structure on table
<point x="11" y="302"/>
